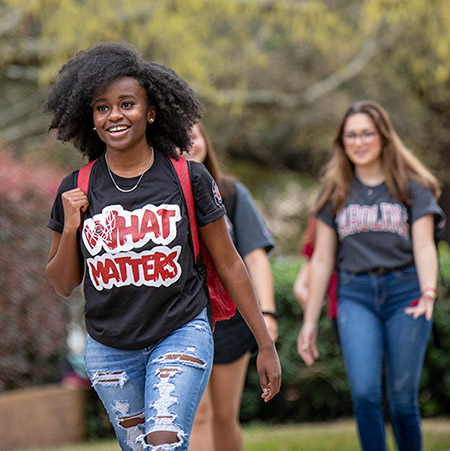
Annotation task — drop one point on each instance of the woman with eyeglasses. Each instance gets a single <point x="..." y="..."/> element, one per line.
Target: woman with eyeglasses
<point x="376" y="217"/>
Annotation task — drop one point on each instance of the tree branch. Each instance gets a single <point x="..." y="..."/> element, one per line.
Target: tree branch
<point x="345" y="73"/>
<point x="272" y="97"/>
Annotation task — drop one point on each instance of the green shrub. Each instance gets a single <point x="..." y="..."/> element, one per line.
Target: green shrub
<point x="435" y="383"/>
<point x="33" y="318"/>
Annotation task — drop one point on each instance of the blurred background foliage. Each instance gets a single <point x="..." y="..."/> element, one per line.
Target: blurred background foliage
<point x="275" y="77"/>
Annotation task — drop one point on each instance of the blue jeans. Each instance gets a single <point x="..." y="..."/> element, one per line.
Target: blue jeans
<point x="154" y="389"/>
<point x="374" y="328"/>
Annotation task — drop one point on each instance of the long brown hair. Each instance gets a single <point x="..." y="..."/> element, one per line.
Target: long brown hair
<point x="398" y="163"/>
<point x="225" y="183"/>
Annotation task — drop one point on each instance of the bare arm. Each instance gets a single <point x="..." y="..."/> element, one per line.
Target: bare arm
<point x="64" y="269"/>
<point x="426" y="261"/>
<point x="236" y="279"/>
<point x="258" y="265"/>
<point x="301" y="284"/>
<point x="322" y="264"/>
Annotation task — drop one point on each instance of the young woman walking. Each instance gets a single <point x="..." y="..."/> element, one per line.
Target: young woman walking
<point x="149" y="347"/>
<point x="376" y="217"/>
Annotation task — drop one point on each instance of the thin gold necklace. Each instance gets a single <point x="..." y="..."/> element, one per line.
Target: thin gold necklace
<point x="139" y="180"/>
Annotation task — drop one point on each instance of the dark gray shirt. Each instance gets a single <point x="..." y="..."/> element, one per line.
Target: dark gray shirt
<point x="374" y="229"/>
<point x="248" y="229"/>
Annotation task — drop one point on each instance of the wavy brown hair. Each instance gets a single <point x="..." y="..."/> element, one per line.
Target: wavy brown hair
<point x="224" y="182"/>
<point x="398" y="162"/>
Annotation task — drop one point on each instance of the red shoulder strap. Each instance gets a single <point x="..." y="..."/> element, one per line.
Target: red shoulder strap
<point x="182" y="171"/>
<point x="84" y="174"/>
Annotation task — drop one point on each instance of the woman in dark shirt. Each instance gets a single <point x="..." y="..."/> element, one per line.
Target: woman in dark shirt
<point x="376" y="217"/>
<point x="216" y="425"/>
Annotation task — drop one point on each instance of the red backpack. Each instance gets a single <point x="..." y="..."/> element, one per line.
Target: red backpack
<point x="221" y="306"/>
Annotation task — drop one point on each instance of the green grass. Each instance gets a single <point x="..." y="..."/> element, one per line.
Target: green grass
<point x="331" y="436"/>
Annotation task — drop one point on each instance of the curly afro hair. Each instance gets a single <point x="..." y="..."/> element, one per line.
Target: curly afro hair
<point x="92" y="70"/>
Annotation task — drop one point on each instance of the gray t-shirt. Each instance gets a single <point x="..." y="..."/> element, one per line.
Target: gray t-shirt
<point x="374" y="229"/>
<point x="248" y="229"/>
<point x="233" y="338"/>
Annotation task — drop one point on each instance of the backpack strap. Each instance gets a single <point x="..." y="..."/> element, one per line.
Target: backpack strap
<point x="83" y="179"/>
<point x="182" y="171"/>
<point x="181" y="167"/>
<point x="84" y="175"/>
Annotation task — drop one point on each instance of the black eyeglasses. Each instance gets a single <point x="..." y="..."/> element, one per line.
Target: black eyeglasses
<point x="366" y="137"/>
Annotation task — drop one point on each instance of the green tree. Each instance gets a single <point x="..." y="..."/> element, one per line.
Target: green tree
<point x="274" y="75"/>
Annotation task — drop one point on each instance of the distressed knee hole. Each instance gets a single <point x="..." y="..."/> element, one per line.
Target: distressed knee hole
<point x="162" y="438"/>
<point x="113" y="378"/>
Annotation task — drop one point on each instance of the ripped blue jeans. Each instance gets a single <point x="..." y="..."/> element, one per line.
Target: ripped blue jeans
<point x="373" y="328"/>
<point x="156" y="389"/>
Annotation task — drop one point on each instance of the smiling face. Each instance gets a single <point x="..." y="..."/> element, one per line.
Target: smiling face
<point x="362" y="142"/>
<point x="121" y="114"/>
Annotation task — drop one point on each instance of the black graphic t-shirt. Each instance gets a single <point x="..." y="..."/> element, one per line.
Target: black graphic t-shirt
<point x="374" y="229"/>
<point x="140" y="282"/>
